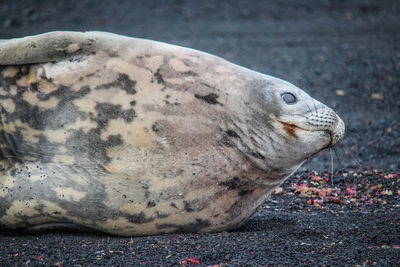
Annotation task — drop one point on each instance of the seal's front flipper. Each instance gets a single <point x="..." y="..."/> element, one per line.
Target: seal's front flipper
<point x="46" y="47"/>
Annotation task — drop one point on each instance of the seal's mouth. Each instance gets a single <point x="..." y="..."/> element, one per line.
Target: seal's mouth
<point x="334" y="129"/>
<point x="291" y="129"/>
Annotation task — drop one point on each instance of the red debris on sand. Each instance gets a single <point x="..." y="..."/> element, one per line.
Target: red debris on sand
<point x="390" y="176"/>
<point x="278" y="190"/>
<point x="317" y="178"/>
<point x="189" y="261"/>
<point x="40" y="258"/>
<point x="351" y="190"/>
<point x="362" y="191"/>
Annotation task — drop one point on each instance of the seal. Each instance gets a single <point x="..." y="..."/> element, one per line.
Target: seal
<point x="136" y="137"/>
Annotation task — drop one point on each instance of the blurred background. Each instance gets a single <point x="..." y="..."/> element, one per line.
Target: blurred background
<point x="344" y="53"/>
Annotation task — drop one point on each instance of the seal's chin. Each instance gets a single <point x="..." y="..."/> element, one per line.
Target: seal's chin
<point x="332" y="136"/>
<point x="332" y="141"/>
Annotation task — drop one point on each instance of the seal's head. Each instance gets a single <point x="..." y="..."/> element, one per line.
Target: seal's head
<point x="283" y="126"/>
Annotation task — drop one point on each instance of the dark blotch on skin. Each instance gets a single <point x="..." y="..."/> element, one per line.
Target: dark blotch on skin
<point x="112" y="53"/>
<point x="226" y="139"/>
<point x="210" y="98"/>
<point x="123" y="82"/>
<point x="244" y="192"/>
<point x="158" y="76"/>
<point x="53" y="118"/>
<point x="256" y="155"/>
<point x="232" y="133"/>
<point x="278" y="170"/>
<point x="65" y="94"/>
<point x="232" y="183"/>
<point x="90" y="145"/>
<point x="146" y="191"/>
<point x="187" y="206"/>
<point x="155" y="127"/>
<point x="161" y="215"/>
<point x="194" y="205"/>
<point x="34" y="87"/>
<point x="151" y="204"/>
<point x="190" y="73"/>
<point x="195" y="226"/>
<point x="107" y="111"/>
<point x="40" y="119"/>
<point x="44" y="148"/>
<point x="139" y="218"/>
<point x="169" y="103"/>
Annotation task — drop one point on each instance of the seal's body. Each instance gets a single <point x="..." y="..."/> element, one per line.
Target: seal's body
<point x="136" y="137"/>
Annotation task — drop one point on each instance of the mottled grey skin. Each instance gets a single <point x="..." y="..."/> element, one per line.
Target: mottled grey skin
<point x="135" y="137"/>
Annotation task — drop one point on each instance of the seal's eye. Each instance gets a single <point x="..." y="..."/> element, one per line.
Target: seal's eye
<point x="289" y="98"/>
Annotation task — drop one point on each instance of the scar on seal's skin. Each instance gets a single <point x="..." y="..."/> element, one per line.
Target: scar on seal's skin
<point x="210" y="98"/>
<point x="290" y="129"/>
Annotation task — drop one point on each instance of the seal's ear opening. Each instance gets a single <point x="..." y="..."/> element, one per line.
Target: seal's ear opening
<point x="289" y="98"/>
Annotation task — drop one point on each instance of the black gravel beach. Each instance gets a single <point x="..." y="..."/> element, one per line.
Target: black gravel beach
<point x="346" y="54"/>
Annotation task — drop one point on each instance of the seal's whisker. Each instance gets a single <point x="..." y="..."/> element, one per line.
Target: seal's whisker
<point x="306" y="104"/>
<point x="330" y="150"/>
<point x="309" y="109"/>
<point x="337" y="156"/>
<point x="354" y="146"/>
<point x="300" y="93"/>
<point x="353" y="132"/>
<point x="315" y="106"/>
<point x="308" y="134"/>
<point x="358" y="163"/>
